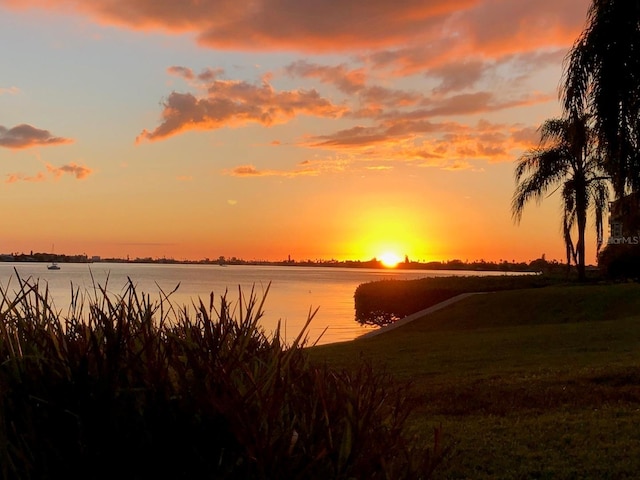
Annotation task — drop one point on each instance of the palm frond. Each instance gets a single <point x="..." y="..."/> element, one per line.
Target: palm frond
<point x="567" y="159"/>
<point x="602" y="77"/>
<point x="537" y="171"/>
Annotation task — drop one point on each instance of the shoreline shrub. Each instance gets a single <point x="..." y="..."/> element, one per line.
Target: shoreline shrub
<point x="383" y="302"/>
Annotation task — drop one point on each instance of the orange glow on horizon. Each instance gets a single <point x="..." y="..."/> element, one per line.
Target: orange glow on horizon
<point x="389" y="229"/>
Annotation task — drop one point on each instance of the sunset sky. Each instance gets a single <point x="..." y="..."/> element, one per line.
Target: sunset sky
<point x="260" y="129"/>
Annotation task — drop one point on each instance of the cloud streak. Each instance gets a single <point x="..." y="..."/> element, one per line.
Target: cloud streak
<point x="80" y="172"/>
<point x="19" y="177"/>
<point x="27" y="136"/>
<point x="248" y="171"/>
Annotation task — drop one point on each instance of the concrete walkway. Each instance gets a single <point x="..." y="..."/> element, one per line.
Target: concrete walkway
<point x="420" y="314"/>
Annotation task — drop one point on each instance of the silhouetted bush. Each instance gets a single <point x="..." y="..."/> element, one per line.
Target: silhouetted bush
<point x="386" y="301"/>
<point x="620" y="261"/>
<point x="135" y="389"/>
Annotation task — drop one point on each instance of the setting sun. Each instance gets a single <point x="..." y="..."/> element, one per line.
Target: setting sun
<point x="390" y="259"/>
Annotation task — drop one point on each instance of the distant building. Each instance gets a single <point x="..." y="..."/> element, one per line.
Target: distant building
<point x="624" y="220"/>
<point x="621" y="257"/>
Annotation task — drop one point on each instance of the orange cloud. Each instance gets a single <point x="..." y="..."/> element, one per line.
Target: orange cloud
<point x="402" y="120"/>
<point x="207" y="75"/>
<point x="527" y="137"/>
<point x="315" y="167"/>
<point x="318" y="27"/>
<point x="477" y="102"/>
<point x="457" y="46"/>
<point x="353" y="83"/>
<point x="458" y="76"/>
<point x="441" y="145"/>
<point x="347" y="25"/>
<point x="79" y="171"/>
<point x="488" y="31"/>
<point x="9" y="91"/>
<point x="183" y="72"/>
<point x="377" y="96"/>
<point x="346" y="80"/>
<point x="355" y="136"/>
<point x="251" y="171"/>
<point x="453" y="77"/>
<point x="19" y="177"/>
<point x="398" y="125"/>
<point x="234" y="103"/>
<point x="245" y="171"/>
<point x="499" y="27"/>
<point x="485" y="141"/>
<point x="25" y="136"/>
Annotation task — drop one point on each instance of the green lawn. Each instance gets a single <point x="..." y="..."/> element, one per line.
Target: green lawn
<point x="536" y="383"/>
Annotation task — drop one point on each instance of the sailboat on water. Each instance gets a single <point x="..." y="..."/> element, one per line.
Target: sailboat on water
<point x="53" y="265"/>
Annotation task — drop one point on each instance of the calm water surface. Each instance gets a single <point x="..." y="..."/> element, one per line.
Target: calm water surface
<point x="293" y="292"/>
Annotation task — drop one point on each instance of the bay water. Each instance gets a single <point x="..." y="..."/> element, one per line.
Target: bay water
<point x="294" y="290"/>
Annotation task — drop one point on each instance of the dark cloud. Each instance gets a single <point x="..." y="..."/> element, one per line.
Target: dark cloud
<point x="25" y="136"/>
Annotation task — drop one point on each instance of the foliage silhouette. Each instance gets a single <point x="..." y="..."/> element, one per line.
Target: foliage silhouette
<point x="133" y="389"/>
<point x="386" y="301"/>
<point x="566" y="159"/>
<point x="602" y="79"/>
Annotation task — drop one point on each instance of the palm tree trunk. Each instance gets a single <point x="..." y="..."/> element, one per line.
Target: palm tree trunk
<point x="581" y="214"/>
<point x="581" y="255"/>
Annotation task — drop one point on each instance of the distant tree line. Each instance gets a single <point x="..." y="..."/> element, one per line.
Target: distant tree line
<point x="44" y="257"/>
<point x="538" y="265"/>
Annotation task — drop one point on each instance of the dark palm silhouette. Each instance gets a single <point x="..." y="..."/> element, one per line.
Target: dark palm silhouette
<point x="602" y="78"/>
<point x="566" y="160"/>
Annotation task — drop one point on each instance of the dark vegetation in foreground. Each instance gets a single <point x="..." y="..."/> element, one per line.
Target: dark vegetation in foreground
<point x="520" y="383"/>
<point x="126" y="387"/>
<point x="526" y="383"/>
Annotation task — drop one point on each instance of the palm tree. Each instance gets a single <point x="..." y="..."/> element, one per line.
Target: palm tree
<point x="566" y="159"/>
<point x="602" y="78"/>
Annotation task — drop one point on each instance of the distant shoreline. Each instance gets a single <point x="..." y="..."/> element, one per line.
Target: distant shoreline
<point x="452" y="265"/>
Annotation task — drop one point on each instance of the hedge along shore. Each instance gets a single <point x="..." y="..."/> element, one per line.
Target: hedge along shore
<point x="419" y="314"/>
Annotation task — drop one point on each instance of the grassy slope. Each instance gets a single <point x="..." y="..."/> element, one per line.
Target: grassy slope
<point x="540" y="383"/>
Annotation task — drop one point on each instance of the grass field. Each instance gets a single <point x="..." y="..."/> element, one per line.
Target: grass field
<point x="536" y="383"/>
